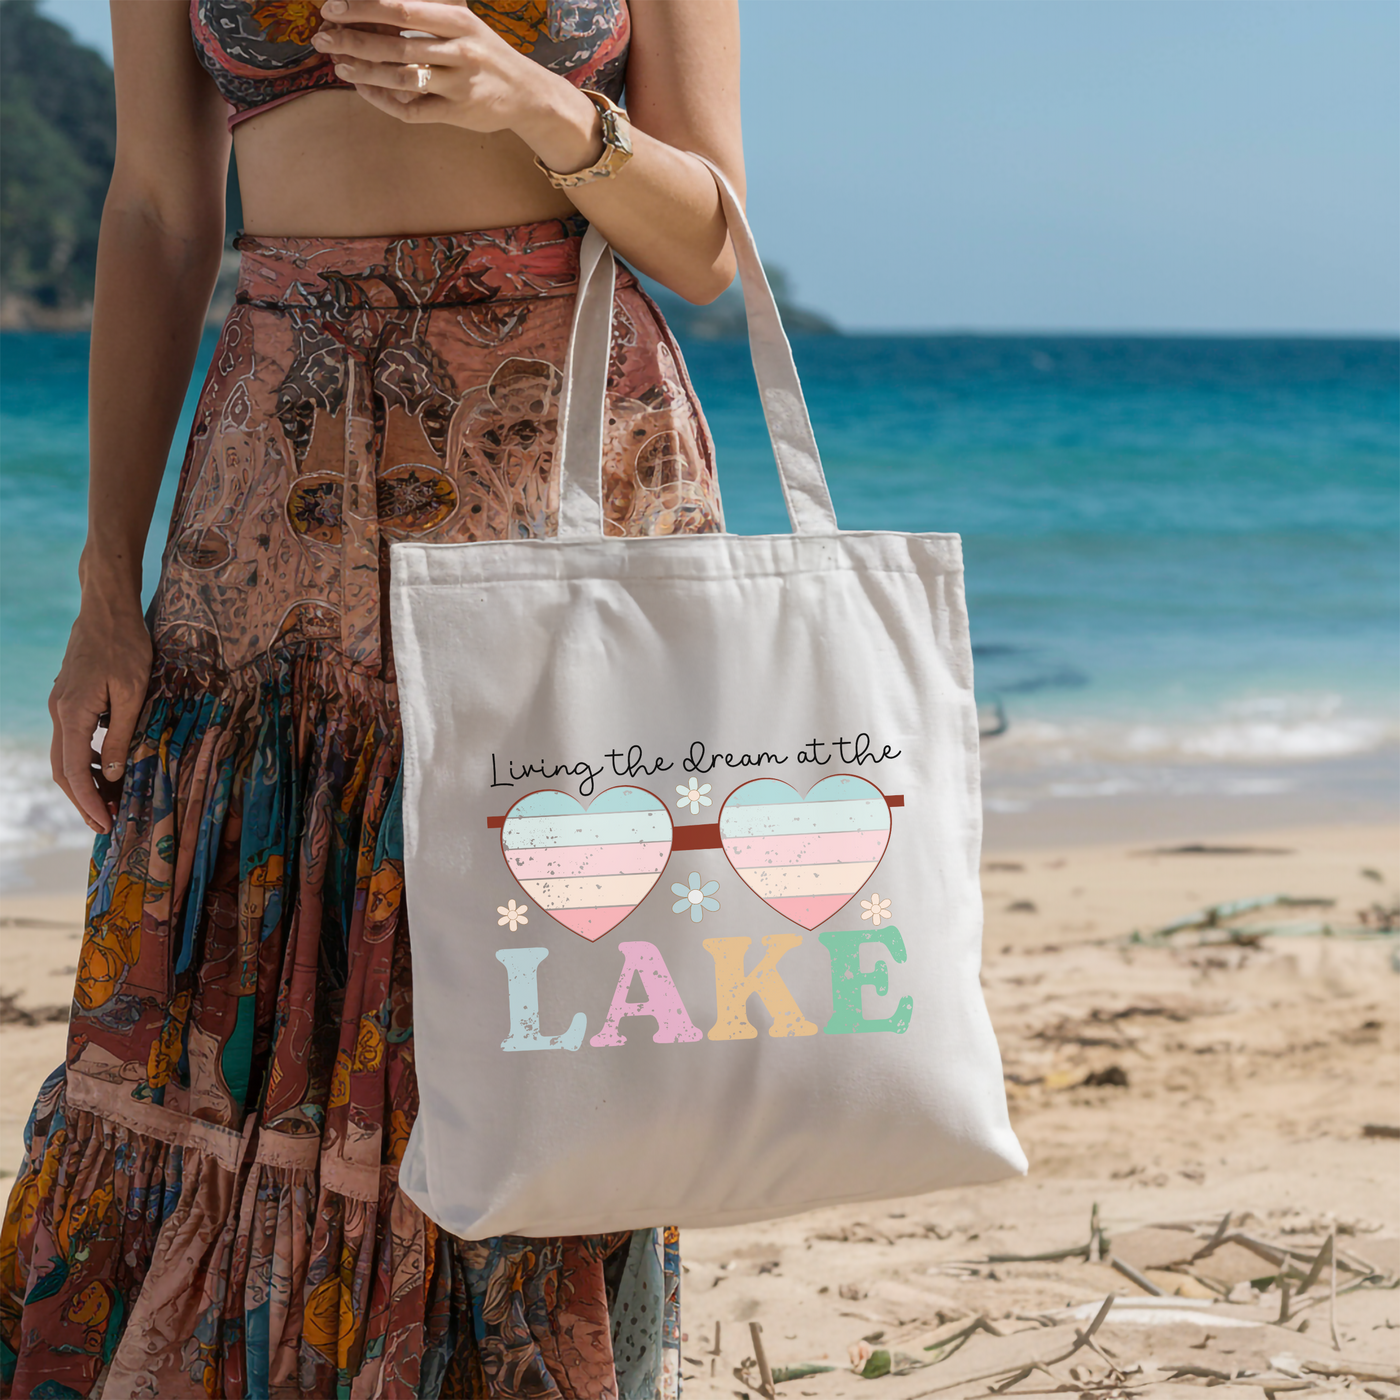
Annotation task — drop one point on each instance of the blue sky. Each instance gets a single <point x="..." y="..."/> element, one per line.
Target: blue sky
<point x="1078" y="165"/>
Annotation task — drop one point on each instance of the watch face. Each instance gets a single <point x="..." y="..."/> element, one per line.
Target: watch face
<point x="615" y="133"/>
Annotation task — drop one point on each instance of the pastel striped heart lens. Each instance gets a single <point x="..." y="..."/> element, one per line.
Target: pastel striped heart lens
<point x="805" y="856"/>
<point x="587" y="868"/>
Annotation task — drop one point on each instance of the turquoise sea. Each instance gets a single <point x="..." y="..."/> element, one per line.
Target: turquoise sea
<point x="1183" y="555"/>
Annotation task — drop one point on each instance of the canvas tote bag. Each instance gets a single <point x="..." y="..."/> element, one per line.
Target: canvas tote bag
<point x="691" y="838"/>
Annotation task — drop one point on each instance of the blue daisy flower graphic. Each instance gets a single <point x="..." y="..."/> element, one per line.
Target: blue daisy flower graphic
<point x="696" y="897"/>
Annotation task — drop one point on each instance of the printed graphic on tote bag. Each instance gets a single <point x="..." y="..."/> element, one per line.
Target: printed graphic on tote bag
<point x="805" y="856"/>
<point x="588" y="868"/>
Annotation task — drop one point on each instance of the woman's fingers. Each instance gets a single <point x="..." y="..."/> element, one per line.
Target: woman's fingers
<point x="343" y="43"/>
<point x="384" y="61"/>
<point x="388" y="76"/>
<point x="404" y="105"/>
<point x="121" y="725"/>
<point x="101" y="686"/>
<point x="56" y="763"/>
<point x="447" y="20"/>
<point x="71" y="756"/>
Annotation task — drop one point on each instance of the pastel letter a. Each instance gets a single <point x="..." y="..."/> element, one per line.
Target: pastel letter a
<point x="522" y="982"/>
<point x="847" y="980"/>
<point x="733" y="988"/>
<point x="663" y="1001"/>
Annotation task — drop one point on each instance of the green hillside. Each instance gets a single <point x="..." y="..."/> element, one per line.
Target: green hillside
<point x="724" y="318"/>
<point x="57" y="144"/>
<point x="57" y="141"/>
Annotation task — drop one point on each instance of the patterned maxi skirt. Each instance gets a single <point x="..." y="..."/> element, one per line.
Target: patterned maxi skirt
<point x="208" y="1202"/>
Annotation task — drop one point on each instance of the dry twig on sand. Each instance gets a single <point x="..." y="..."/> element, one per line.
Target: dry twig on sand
<point x="1022" y="1370"/>
<point x="765" y="1386"/>
<point x="1355" y="1370"/>
<point x="1142" y="1281"/>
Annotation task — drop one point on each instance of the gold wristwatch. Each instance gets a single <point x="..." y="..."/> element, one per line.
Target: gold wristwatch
<point x="617" y="146"/>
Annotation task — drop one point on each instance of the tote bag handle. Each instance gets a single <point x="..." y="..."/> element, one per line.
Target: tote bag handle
<point x="582" y="408"/>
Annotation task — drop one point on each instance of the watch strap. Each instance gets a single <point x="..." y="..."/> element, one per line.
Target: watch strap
<point x="617" y="146"/>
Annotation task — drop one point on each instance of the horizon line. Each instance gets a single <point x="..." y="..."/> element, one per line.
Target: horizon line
<point x="973" y="333"/>
<point x="962" y="333"/>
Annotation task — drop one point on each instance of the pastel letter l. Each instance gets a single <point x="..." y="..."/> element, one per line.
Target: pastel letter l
<point x="847" y="980"/>
<point x="522" y="982"/>
<point x="733" y="988"/>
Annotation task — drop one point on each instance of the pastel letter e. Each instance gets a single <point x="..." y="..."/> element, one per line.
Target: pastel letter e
<point x="522" y="982"/>
<point x="847" y="980"/>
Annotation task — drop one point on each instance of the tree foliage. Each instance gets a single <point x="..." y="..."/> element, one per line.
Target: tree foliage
<point x="57" y="144"/>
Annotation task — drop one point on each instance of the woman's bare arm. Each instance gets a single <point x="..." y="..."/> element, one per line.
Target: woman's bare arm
<point x="157" y="262"/>
<point x="661" y="211"/>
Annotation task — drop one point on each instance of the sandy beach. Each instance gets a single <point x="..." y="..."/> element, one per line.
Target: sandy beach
<point x="1167" y="1082"/>
<point x="1243" y="1065"/>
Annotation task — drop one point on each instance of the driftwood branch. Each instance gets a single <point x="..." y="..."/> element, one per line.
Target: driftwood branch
<point x="1082" y="1339"/>
<point x="1142" y="1281"/>
<point x="1357" y="1370"/>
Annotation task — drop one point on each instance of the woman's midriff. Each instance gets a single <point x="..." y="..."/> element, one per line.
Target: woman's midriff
<point x="328" y="164"/>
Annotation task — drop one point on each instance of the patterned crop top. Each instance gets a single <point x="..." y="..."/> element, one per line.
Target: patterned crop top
<point x="259" y="51"/>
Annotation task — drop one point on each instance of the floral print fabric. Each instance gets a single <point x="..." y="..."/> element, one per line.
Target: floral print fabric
<point x="208" y="1202"/>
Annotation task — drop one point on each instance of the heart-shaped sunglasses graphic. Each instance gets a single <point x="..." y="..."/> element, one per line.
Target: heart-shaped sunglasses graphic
<point x="588" y="867"/>
<point x="805" y="856"/>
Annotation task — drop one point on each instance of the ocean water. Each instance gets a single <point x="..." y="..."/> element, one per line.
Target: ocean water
<point x="1183" y="556"/>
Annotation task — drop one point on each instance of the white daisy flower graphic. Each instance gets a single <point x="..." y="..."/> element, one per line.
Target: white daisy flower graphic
<point x="511" y="914"/>
<point x="693" y="797"/>
<point x="875" y="909"/>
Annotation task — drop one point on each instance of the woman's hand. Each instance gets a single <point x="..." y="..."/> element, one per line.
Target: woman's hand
<point x="661" y="210"/>
<point x="475" y="79"/>
<point x="105" y="673"/>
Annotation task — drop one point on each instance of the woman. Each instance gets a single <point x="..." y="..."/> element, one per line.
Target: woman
<point x="209" y="1201"/>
